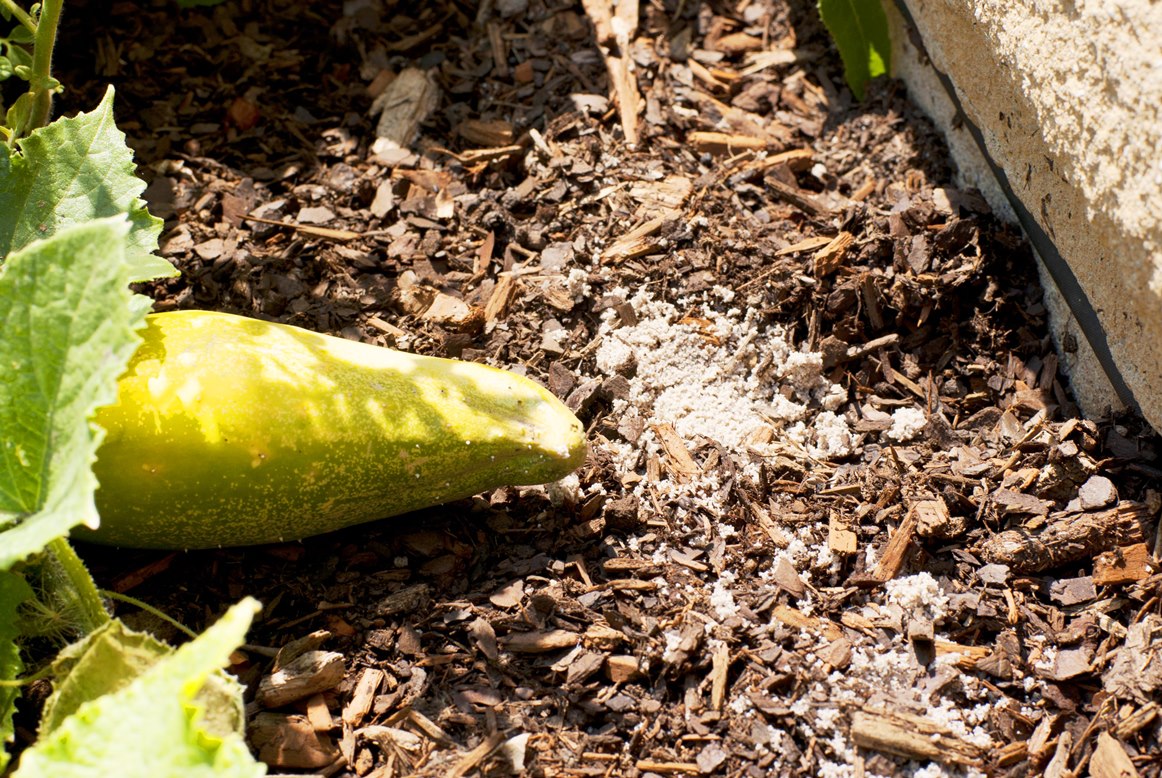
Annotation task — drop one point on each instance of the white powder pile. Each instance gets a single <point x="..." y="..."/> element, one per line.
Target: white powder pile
<point x="906" y="424"/>
<point x="918" y="595"/>
<point x="725" y="377"/>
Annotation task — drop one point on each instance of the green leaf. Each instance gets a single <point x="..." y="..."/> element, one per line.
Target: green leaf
<point x="66" y="334"/>
<point x="13" y="591"/>
<point x="21" y="34"/>
<point x="860" y="31"/>
<point x="5" y="68"/>
<point x="19" y="114"/>
<point x="70" y="172"/>
<point x="99" y="663"/>
<point x="110" y="658"/>
<point x="152" y="726"/>
<point x="17" y="54"/>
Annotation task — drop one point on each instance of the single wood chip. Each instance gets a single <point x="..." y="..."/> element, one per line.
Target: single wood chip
<point x="797" y="197"/>
<point x="678" y="460"/>
<point x="386" y="327"/>
<point x="627" y="566"/>
<point x="807" y="244"/>
<point x="311" y="672"/>
<point x="621" y="668"/>
<point x="1011" y="754"/>
<point x="428" y="727"/>
<point x="795" y="159"/>
<point x="786" y="577"/>
<point x="636" y="242"/>
<point x="1126" y="564"/>
<point x="719" y="667"/>
<point x="603" y="637"/>
<point x="829" y="258"/>
<point x="405" y="104"/>
<point x="1110" y="759"/>
<point x="703" y="74"/>
<point x="362" y="697"/>
<point x="913" y="737"/>
<point x="796" y="618"/>
<point x="476" y="156"/>
<point x="299" y="646"/>
<point x="290" y="741"/>
<point x="308" y="229"/>
<point x="895" y="552"/>
<point x="499" y="50"/>
<point x="486" y="132"/>
<point x="319" y="714"/>
<point x="663" y="197"/>
<point x="142" y="574"/>
<point x="451" y="311"/>
<point x="540" y="642"/>
<point x="628" y="584"/>
<point x="1133" y="720"/>
<point x="968" y="656"/>
<point x="614" y="40"/>
<point x="727" y="143"/>
<point x="840" y="539"/>
<point x="502" y="295"/>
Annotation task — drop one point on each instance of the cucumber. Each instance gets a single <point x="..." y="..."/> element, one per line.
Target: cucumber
<point x="230" y="431"/>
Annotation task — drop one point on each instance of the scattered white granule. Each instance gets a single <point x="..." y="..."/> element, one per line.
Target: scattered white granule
<point x="919" y="595"/>
<point x="577" y="282"/>
<point x="741" y="705"/>
<point x="565" y="491"/>
<point x="673" y="640"/>
<point x="722" y="600"/>
<point x="724" y="293"/>
<point x="906" y="424"/>
<point x="833" y="437"/>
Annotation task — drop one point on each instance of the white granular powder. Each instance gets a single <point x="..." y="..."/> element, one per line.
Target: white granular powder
<point x="722" y="601"/>
<point x="906" y="424"/>
<point x="724" y="379"/>
<point x="918" y="594"/>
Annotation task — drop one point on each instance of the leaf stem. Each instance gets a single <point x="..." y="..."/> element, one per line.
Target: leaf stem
<point x="18" y="683"/>
<point x="90" y="612"/>
<point x="145" y="606"/>
<point x="20" y="14"/>
<point x="41" y="84"/>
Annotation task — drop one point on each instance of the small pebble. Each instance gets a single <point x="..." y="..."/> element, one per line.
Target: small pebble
<point x="1097" y="492"/>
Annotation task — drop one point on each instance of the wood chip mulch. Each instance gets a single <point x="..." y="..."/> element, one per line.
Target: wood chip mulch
<point x="930" y="563"/>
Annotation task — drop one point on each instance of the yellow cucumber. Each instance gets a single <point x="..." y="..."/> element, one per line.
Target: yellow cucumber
<point x="230" y="431"/>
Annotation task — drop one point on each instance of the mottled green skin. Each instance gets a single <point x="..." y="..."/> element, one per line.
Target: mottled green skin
<point x="231" y="431"/>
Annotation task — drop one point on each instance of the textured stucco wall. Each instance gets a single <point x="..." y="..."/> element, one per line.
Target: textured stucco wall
<point x="1068" y="96"/>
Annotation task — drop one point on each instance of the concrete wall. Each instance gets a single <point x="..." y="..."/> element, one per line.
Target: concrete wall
<point x="1068" y="98"/>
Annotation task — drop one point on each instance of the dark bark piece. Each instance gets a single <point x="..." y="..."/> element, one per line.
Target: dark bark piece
<point x="1068" y="539"/>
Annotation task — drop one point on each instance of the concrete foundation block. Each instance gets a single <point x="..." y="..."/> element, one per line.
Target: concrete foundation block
<point x="1067" y="97"/>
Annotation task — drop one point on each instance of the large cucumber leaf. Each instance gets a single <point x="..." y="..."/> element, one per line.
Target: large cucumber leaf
<point x="860" y="31"/>
<point x="13" y="591"/>
<point x="110" y="658"/>
<point x="70" y="172"/>
<point x="66" y="334"/>
<point x="152" y="726"/>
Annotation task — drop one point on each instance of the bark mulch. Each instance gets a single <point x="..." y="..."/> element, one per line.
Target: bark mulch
<point x="840" y="515"/>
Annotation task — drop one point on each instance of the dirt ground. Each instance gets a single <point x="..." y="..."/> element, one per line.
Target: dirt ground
<point x="840" y="516"/>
